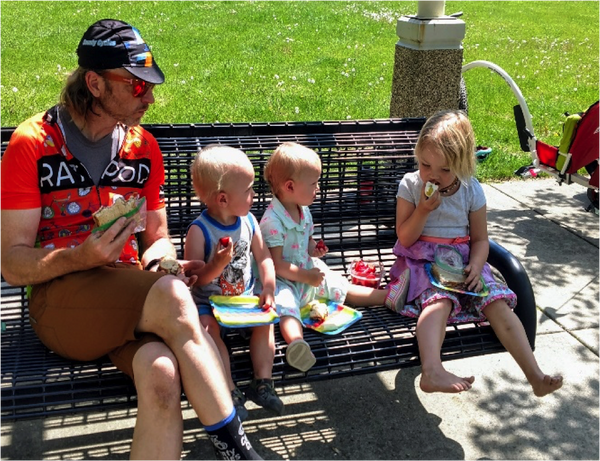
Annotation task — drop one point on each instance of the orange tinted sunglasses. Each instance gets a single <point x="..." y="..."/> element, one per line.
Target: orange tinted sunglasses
<point x="139" y="87"/>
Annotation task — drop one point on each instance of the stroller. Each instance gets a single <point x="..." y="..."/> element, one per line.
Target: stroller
<point x="578" y="149"/>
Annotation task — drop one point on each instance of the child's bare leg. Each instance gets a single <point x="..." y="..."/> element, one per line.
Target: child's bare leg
<point x="364" y="296"/>
<point x="431" y="330"/>
<point x="511" y="334"/>
<point x="262" y="351"/>
<point x="291" y="328"/>
<point x="298" y="353"/>
<point x="214" y="330"/>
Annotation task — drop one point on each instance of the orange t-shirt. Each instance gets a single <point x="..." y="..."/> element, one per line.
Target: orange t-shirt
<point x="38" y="171"/>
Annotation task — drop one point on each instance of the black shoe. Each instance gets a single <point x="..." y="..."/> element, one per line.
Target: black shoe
<point x="262" y="392"/>
<point x="238" y="402"/>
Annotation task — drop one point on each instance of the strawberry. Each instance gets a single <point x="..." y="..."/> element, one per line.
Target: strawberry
<point x="225" y="241"/>
<point x="321" y="245"/>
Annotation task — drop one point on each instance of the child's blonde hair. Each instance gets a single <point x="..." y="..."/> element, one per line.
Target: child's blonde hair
<point x="213" y="167"/>
<point x="289" y="161"/>
<point x="450" y="132"/>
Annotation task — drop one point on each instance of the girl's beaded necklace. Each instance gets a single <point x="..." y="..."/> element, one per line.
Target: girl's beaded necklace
<point x="451" y="188"/>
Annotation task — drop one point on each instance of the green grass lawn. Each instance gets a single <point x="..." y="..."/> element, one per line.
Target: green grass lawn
<point x="298" y="61"/>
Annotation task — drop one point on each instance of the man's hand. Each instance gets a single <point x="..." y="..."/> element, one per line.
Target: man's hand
<point x="191" y="271"/>
<point x="101" y="248"/>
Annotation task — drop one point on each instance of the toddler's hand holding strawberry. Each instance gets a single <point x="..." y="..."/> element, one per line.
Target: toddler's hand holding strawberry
<point x="320" y="249"/>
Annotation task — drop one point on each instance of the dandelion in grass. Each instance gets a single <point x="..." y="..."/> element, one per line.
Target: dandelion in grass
<point x="293" y="78"/>
<point x="297" y="110"/>
<point x="15" y="89"/>
<point x="348" y="117"/>
<point x="276" y="77"/>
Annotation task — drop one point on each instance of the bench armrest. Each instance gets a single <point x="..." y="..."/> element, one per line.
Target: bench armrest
<point x="517" y="280"/>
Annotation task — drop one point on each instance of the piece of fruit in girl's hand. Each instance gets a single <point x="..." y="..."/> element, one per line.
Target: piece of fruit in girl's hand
<point x="321" y="245"/>
<point x="430" y="188"/>
<point x="225" y="241"/>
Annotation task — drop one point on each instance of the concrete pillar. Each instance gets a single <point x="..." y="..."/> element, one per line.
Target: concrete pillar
<point x="428" y="62"/>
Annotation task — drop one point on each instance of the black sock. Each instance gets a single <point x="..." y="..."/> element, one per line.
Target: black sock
<point x="230" y="440"/>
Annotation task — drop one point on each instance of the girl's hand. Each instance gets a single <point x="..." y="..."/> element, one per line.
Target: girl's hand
<point x="473" y="280"/>
<point x="315" y="276"/>
<point x="319" y="250"/>
<point x="428" y="204"/>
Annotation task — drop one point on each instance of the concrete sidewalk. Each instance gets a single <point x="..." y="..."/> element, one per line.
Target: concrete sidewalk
<point x="385" y="415"/>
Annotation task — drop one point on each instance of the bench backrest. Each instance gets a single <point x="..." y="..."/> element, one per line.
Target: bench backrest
<point x="354" y="211"/>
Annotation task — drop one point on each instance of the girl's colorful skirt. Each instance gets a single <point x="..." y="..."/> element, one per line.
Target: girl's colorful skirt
<point x="421" y="293"/>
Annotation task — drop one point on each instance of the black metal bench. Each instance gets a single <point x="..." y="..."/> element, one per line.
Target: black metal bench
<point x="354" y="213"/>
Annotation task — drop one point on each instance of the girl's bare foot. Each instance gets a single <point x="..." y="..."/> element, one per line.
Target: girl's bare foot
<point x="444" y="381"/>
<point x="546" y="385"/>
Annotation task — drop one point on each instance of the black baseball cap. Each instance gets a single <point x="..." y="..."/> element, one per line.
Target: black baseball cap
<point x="110" y="44"/>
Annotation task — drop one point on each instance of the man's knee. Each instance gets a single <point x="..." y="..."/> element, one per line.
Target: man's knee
<point x="156" y="374"/>
<point x="170" y="290"/>
<point x="169" y="307"/>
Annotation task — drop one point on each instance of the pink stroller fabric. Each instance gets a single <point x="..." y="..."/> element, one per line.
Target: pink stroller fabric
<point x="584" y="147"/>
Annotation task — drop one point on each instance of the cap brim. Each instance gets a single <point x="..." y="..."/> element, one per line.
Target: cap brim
<point x="149" y="74"/>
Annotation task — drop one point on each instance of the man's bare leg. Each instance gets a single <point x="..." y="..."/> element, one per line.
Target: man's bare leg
<point x="170" y="313"/>
<point x="158" y="432"/>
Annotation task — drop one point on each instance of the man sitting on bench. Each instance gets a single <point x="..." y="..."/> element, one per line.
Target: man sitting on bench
<point x="90" y="296"/>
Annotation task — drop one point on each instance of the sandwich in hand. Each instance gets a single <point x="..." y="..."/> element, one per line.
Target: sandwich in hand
<point x="170" y="266"/>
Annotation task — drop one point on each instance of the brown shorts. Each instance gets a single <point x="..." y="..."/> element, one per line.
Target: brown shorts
<point x="85" y="315"/>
